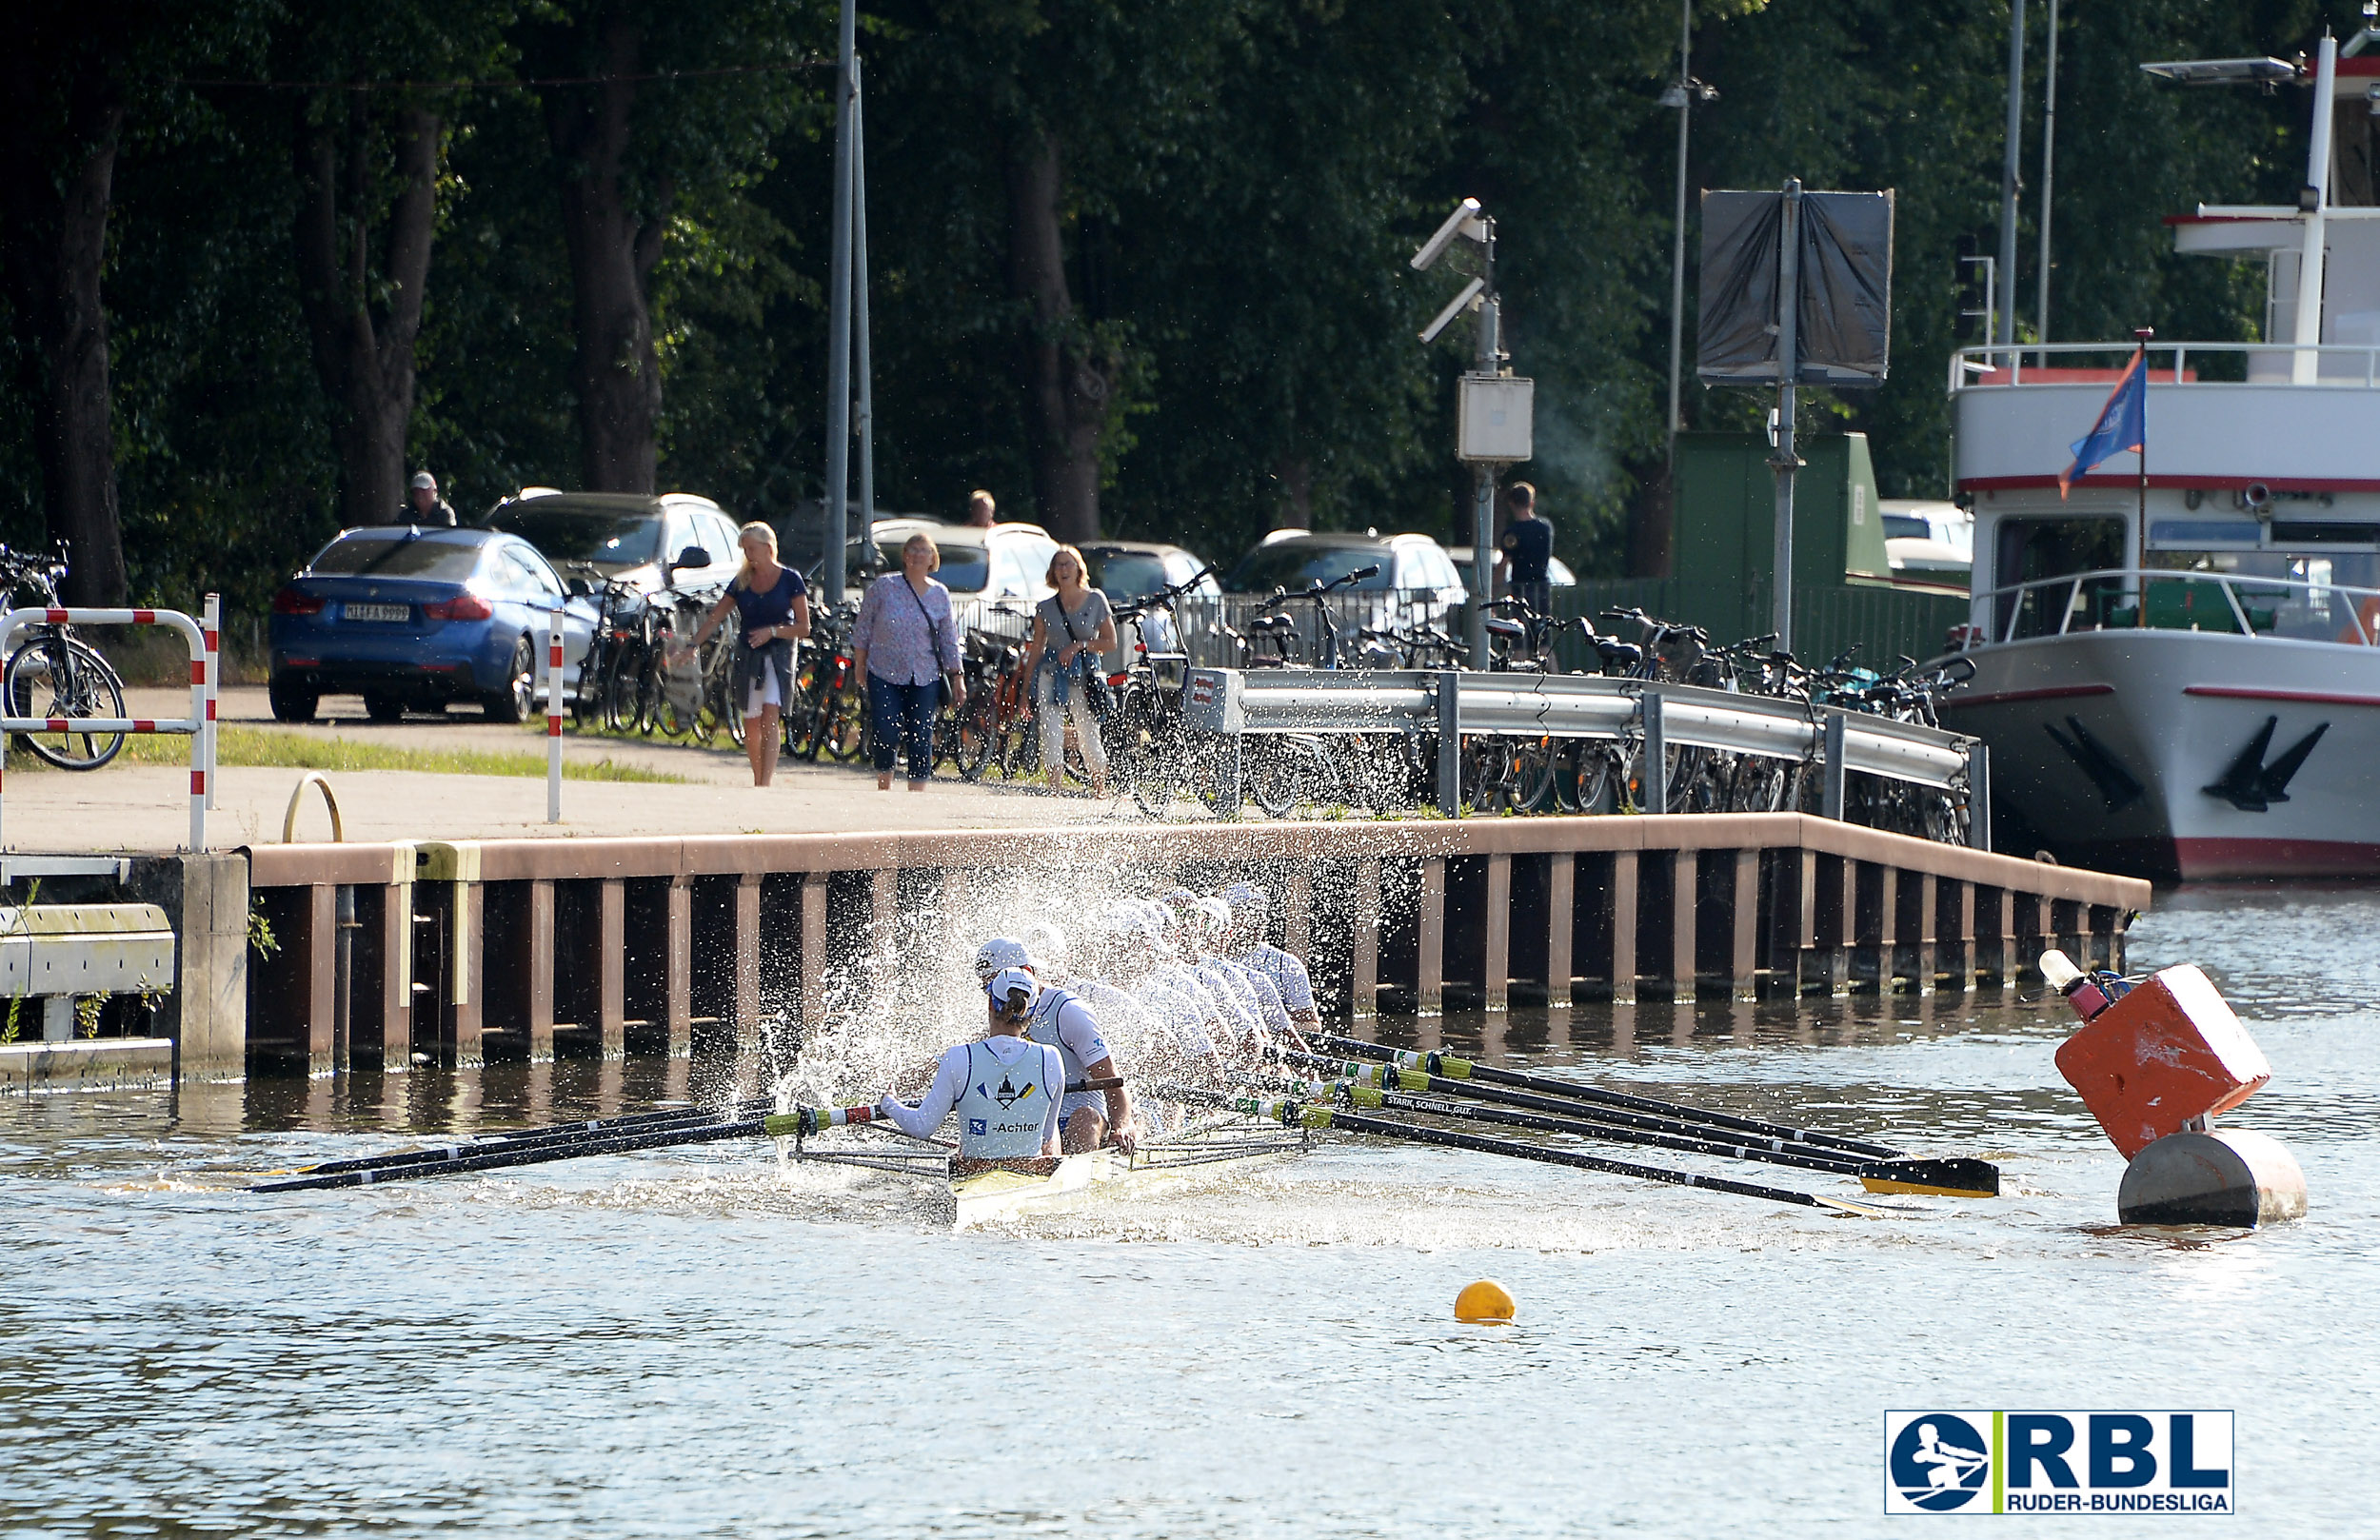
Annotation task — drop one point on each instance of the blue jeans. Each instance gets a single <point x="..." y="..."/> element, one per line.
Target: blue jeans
<point x="901" y="715"/>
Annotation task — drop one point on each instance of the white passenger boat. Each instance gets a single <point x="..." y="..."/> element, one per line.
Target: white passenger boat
<point x="2176" y="672"/>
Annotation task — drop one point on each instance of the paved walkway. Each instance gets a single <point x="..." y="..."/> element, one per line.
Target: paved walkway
<point x="133" y="807"/>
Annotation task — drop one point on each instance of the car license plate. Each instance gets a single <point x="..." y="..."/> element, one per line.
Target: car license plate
<point x="398" y="613"/>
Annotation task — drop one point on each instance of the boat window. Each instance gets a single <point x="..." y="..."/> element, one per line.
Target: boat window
<point x="2031" y="549"/>
<point x="2312" y="595"/>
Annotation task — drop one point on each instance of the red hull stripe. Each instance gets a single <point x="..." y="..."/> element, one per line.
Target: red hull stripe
<point x="2059" y="692"/>
<point x="2310" y="698"/>
<point x="2205" y="860"/>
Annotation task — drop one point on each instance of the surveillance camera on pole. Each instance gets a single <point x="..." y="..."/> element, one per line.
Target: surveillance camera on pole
<point x="1492" y="408"/>
<point x="1456" y="306"/>
<point x="1464" y="221"/>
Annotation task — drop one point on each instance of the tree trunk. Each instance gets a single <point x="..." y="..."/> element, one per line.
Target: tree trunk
<point x="1295" y="475"/>
<point x="612" y="252"/>
<point x="58" y="184"/>
<point x="366" y="360"/>
<point x="1650" y="523"/>
<point x="1067" y="387"/>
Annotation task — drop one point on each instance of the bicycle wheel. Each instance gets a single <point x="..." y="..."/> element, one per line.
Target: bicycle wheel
<point x="1533" y="771"/>
<point x="1589" y="772"/>
<point x="617" y="689"/>
<point x="972" y="736"/>
<point x="1160" y="768"/>
<point x="803" y="715"/>
<point x="844" y="736"/>
<point x="1273" y="772"/>
<point x="60" y="675"/>
<point x="1016" y="739"/>
<point x="1758" y="784"/>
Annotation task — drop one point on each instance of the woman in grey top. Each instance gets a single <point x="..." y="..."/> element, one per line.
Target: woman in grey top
<point x="1073" y="631"/>
<point x="905" y="645"/>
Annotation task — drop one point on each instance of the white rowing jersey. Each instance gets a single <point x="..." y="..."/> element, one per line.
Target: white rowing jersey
<point x="1004" y="1090"/>
<point x="1287" y="973"/>
<point x="1061" y="1021"/>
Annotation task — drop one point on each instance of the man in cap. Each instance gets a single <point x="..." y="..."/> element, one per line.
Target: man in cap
<point x="427" y="506"/>
<point x="1003" y="1086"/>
<point x="1245" y="945"/>
<point x="1087" y="1118"/>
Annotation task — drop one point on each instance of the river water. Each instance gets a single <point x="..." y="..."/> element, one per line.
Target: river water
<point x="709" y="1344"/>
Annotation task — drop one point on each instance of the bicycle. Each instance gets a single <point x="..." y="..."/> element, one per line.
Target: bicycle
<point x="54" y="673"/>
<point x="1148" y="748"/>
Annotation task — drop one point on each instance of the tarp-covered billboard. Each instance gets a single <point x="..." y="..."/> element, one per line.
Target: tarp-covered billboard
<point x="1845" y="318"/>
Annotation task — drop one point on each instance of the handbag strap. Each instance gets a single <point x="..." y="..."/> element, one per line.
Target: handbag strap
<point x="933" y="627"/>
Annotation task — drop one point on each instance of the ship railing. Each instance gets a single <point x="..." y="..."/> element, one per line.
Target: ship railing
<point x="2266" y="364"/>
<point x="2125" y="599"/>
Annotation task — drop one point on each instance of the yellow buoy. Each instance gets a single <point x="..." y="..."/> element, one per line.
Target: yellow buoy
<point x="1485" y="1302"/>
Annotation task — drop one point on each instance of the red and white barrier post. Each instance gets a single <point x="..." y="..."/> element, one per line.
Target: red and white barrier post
<point x="211" y="622"/>
<point x="553" y="719"/>
<point x="194" y="725"/>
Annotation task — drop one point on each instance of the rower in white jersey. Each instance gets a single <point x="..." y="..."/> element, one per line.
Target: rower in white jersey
<point x="1230" y="1012"/>
<point x="1003" y="1086"/>
<point x="1244" y="943"/>
<point x="1088" y="1118"/>
<point x="1127" y="988"/>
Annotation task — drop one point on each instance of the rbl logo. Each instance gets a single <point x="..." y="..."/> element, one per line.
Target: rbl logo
<point x="2057" y="1462"/>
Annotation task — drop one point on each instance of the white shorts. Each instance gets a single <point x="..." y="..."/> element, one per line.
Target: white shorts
<point x="762" y="694"/>
<point x="1077" y="1100"/>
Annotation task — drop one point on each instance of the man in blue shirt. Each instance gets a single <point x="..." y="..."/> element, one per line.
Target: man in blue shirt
<point x="1527" y="546"/>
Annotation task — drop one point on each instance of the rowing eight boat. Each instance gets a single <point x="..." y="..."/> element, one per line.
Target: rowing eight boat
<point x="991" y="1196"/>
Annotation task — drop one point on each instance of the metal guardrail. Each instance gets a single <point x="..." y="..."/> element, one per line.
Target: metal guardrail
<point x="1234" y="703"/>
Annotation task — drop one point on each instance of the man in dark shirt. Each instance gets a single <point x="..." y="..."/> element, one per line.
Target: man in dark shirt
<point x="425" y="506"/>
<point x="1527" y="546"/>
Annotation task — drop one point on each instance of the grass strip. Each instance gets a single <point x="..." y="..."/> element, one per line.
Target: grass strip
<point x="265" y="748"/>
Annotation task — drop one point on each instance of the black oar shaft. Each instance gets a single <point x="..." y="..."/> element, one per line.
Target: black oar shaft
<point x="1396" y="1102"/>
<point x="776" y="1125"/>
<point x="1389" y="1128"/>
<point x="527" y="1138"/>
<point x="1555" y="1086"/>
<point x="1392" y="1079"/>
<point x="539" y="1155"/>
<point x="756" y="1107"/>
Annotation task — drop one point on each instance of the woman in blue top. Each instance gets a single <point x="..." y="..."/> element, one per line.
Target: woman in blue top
<point x="1073" y="631"/>
<point x="906" y="643"/>
<point x="774" y="609"/>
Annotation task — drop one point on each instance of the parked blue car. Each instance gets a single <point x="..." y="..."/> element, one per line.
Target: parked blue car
<point x="408" y="617"/>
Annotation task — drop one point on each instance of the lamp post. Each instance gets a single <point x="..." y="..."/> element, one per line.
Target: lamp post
<point x="1682" y="94"/>
<point x="2015" y="147"/>
<point x="834" y="499"/>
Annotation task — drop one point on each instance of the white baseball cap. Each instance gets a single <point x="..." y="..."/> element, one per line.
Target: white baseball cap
<point x="425" y="481"/>
<point x="998" y="953"/>
<point x="1047" y="943"/>
<point x="1005" y="985"/>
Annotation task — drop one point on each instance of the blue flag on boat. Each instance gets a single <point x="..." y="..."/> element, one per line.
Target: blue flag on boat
<point x="2122" y="426"/>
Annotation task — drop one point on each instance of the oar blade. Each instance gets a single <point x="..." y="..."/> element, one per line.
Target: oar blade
<point x="1952" y="1177"/>
<point x="1844" y="1205"/>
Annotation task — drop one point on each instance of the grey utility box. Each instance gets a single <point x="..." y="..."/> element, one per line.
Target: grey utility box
<point x="59" y="953"/>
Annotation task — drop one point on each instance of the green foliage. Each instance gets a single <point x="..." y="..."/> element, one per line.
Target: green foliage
<point x="260" y="936"/>
<point x="1243" y="180"/>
